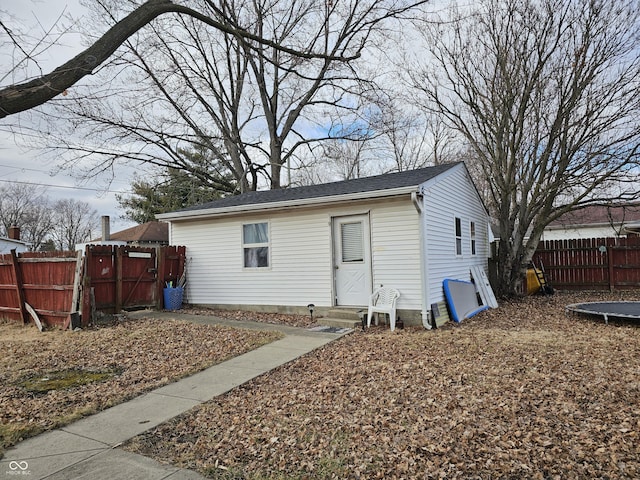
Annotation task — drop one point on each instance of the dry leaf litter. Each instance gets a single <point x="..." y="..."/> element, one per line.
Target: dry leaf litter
<point x="524" y="391"/>
<point x="136" y="355"/>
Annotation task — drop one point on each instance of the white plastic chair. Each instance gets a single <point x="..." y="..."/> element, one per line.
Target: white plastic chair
<point x="383" y="300"/>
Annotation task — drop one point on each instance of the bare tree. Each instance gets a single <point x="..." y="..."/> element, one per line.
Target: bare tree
<point x="252" y="105"/>
<point x="74" y="222"/>
<point x="26" y="206"/>
<point x="341" y="160"/>
<point x="27" y="95"/>
<point x="545" y="93"/>
<point x="415" y="139"/>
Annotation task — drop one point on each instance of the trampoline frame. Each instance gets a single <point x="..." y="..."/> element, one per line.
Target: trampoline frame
<point x="576" y="308"/>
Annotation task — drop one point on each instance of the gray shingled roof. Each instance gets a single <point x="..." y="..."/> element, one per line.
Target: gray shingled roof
<point x="367" y="184"/>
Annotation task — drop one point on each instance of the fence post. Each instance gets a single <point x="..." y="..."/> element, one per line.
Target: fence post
<point x="85" y="302"/>
<point x="119" y="250"/>
<point x="17" y="275"/>
<point x="77" y="278"/>
<point x="161" y="251"/>
<point x="610" y="264"/>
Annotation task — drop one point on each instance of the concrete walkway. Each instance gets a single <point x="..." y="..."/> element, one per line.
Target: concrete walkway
<point x="88" y="448"/>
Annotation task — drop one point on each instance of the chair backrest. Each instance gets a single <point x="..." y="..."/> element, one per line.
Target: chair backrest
<point x="385" y="296"/>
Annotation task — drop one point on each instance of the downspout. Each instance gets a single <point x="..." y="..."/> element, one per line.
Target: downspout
<point x="426" y="312"/>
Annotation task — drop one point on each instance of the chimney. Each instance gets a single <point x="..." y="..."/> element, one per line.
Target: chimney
<point x="14" y="232"/>
<point x="106" y="233"/>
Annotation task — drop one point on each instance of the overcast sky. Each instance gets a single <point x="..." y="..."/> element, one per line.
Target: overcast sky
<point x="18" y="163"/>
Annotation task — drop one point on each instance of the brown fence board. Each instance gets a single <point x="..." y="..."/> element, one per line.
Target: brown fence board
<point x="126" y="277"/>
<point x="592" y="263"/>
<point x="40" y="279"/>
<point x="112" y="278"/>
<point x="9" y="300"/>
<point x="171" y="266"/>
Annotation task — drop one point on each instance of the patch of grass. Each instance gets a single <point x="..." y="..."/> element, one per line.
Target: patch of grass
<point x="49" y="380"/>
<point x="331" y="467"/>
<point x="12" y="433"/>
<point x="64" y="379"/>
<point x="236" y="473"/>
<point x="225" y="473"/>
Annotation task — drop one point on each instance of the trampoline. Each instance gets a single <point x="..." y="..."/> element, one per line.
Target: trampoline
<point x="607" y="309"/>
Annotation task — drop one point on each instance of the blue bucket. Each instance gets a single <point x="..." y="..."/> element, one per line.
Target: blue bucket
<point x="173" y="298"/>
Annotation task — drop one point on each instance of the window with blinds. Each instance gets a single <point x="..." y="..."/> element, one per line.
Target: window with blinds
<point x="352" y="242"/>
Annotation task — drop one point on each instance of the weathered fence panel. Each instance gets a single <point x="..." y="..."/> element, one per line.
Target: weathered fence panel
<point x="11" y="297"/>
<point x="107" y="278"/>
<point x="42" y="280"/>
<point x="126" y="277"/>
<point x="171" y="266"/>
<point x="593" y="263"/>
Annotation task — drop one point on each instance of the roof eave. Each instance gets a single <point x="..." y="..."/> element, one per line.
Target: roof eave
<point x="285" y="205"/>
<point x="575" y="226"/>
<point x="13" y="240"/>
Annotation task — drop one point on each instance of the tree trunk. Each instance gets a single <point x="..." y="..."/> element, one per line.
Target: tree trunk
<point x="276" y="162"/>
<point x="510" y="273"/>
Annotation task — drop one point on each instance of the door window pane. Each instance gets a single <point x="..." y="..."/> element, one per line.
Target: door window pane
<point x="352" y="242"/>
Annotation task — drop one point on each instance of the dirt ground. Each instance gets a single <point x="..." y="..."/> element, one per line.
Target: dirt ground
<point x="524" y="391"/>
<point x="52" y="378"/>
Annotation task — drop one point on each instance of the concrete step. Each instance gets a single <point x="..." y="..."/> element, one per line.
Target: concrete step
<point x="346" y="313"/>
<point x="339" y="322"/>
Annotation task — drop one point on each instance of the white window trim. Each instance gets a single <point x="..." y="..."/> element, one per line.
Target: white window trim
<point x="267" y="244"/>
<point x="472" y="238"/>
<point x="458" y="238"/>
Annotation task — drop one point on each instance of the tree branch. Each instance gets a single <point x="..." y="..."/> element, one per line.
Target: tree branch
<point x="24" y="96"/>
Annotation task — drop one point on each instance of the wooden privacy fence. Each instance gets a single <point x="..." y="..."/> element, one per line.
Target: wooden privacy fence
<point x="39" y="285"/>
<point x="591" y="264"/>
<point x="124" y="277"/>
<point x="56" y="287"/>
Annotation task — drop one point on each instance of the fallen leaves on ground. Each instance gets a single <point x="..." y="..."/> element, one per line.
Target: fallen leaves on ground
<point x="144" y="354"/>
<point x="292" y="320"/>
<point x="524" y="391"/>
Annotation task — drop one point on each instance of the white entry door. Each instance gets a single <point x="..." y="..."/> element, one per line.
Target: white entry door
<point x="352" y="260"/>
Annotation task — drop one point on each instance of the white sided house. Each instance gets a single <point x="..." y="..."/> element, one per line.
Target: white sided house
<point x="13" y="242"/>
<point x="331" y="245"/>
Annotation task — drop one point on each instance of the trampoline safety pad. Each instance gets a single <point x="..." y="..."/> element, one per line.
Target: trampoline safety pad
<point x="607" y="309"/>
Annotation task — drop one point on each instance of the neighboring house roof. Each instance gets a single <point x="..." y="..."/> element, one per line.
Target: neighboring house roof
<point x="367" y="187"/>
<point x="598" y="215"/>
<point x="150" y="232"/>
<point x="13" y="240"/>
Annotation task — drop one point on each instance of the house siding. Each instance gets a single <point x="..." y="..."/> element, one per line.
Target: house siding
<point x="7" y="245"/>
<point x="301" y="265"/>
<point x="570" y="233"/>
<point x="299" y="271"/>
<point x="452" y="195"/>
<point x="301" y="256"/>
<point x="395" y="245"/>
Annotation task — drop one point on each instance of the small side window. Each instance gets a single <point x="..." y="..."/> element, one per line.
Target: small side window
<point x="472" y="227"/>
<point x="458" y="236"/>
<point x="255" y="245"/>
